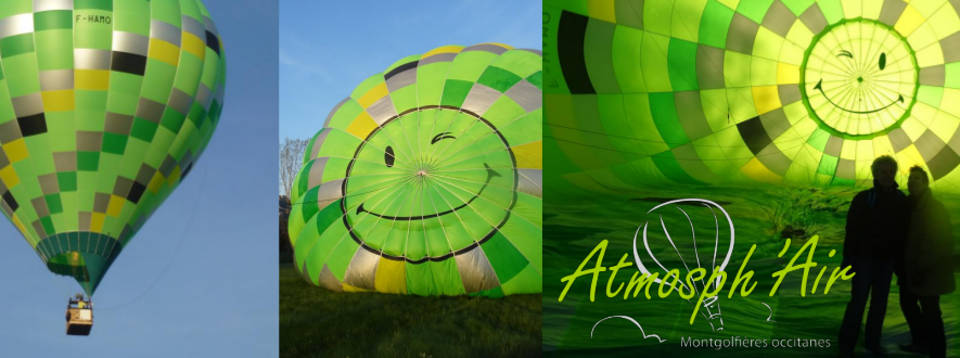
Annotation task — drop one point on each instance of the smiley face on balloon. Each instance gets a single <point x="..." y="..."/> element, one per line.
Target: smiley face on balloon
<point x="859" y="78"/>
<point x="438" y="168"/>
<point x="426" y="180"/>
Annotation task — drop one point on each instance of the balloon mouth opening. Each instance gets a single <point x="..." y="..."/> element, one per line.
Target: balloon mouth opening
<point x="85" y="256"/>
<point x="69" y="264"/>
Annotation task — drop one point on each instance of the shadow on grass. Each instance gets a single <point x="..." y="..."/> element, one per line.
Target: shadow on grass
<point x="315" y="322"/>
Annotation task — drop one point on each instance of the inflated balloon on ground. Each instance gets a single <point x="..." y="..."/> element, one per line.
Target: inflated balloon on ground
<point x="427" y="179"/>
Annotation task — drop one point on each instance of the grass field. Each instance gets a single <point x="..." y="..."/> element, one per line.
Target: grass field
<point x="762" y="216"/>
<point x="315" y="322"/>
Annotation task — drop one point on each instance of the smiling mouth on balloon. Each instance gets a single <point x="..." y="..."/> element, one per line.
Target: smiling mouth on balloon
<point x="490" y="175"/>
<point x="819" y="86"/>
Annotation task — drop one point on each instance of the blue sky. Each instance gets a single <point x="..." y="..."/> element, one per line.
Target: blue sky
<point x="200" y="278"/>
<point x="328" y="47"/>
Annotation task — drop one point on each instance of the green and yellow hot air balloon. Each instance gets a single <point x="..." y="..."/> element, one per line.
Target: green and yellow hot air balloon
<point x="427" y="179"/>
<point x="105" y="106"/>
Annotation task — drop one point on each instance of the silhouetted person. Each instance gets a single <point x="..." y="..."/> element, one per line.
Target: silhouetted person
<point x="876" y="228"/>
<point x="927" y="267"/>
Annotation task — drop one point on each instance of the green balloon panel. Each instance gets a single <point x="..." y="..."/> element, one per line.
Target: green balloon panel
<point x="104" y="108"/>
<point x="775" y="91"/>
<point x="427" y="179"/>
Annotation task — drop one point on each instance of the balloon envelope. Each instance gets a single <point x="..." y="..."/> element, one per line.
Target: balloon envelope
<point x="105" y="105"/>
<point x="426" y="180"/>
<point x="800" y="93"/>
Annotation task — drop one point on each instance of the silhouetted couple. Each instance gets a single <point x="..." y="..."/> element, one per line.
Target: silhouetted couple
<point x="889" y="232"/>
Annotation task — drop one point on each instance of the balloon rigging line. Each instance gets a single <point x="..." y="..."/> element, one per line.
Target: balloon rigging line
<point x="445" y="162"/>
<point x="360" y="220"/>
<point x="635" y="139"/>
<point x="353" y="228"/>
<point x="493" y="203"/>
<point x="350" y="229"/>
<point x="495" y="226"/>
<point x="801" y="140"/>
<point x="422" y="216"/>
<point x="443" y="229"/>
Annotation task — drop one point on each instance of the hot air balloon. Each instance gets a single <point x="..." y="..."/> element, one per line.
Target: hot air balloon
<point x="797" y="93"/>
<point x="106" y="107"/>
<point x="427" y="179"/>
<point x="664" y="252"/>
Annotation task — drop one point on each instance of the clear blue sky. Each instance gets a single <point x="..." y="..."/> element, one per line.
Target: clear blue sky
<point x="328" y="47"/>
<point x="214" y="295"/>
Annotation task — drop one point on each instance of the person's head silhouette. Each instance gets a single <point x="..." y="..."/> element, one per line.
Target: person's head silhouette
<point x="884" y="171"/>
<point x="918" y="182"/>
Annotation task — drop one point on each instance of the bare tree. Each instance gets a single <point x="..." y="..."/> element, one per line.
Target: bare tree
<point x="286" y="251"/>
<point x="291" y="159"/>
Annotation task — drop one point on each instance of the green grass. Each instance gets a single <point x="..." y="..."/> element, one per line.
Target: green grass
<point x="315" y="322"/>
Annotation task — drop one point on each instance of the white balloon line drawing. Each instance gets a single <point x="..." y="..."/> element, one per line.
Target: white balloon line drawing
<point x="675" y="249"/>
<point x="716" y="242"/>
<point x="643" y="269"/>
<point x="703" y="284"/>
<point x="628" y="318"/>
<point x="693" y="234"/>
<point x="770" y="317"/>
<point x="708" y="303"/>
<point x="716" y="247"/>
